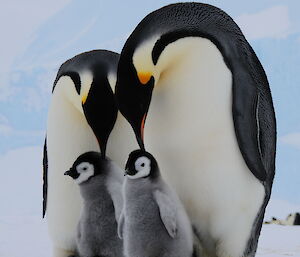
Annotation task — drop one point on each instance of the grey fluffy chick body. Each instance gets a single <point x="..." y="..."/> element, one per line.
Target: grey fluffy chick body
<point x="102" y="203"/>
<point x="153" y="222"/>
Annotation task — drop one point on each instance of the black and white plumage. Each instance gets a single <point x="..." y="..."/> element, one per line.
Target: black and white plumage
<point x="100" y="182"/>
<point x="211" y="116"/>
<point x="81" y="116"/>
<point x="153" y="221"/>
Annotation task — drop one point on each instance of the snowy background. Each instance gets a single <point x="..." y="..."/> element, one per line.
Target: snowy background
<point x="38" y="35"/>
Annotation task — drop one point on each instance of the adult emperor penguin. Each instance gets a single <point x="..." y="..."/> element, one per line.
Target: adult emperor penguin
<point x="81" y="116"/>
<point x="211" y="121"/>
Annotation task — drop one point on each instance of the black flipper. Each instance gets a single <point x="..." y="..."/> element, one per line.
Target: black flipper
<point x="45" y="178"/>
<point x="253" y="116"/>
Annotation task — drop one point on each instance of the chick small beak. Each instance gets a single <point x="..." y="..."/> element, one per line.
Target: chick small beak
<point x="126" y="172"/>
<point x="71" y="172"/>
<point x="68" y="172"/>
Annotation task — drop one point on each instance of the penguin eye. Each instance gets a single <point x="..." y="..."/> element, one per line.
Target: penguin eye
<point x="84" y="167"/>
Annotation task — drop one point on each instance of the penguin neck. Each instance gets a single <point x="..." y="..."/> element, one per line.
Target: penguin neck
<point x="68" y="131"/>
<point x="61" y="105"/>
<point x="94" y="188"/>
<point x="138" y="187"/>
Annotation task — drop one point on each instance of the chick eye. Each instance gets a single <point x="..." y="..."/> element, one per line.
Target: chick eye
<point x="143" y="164"/>
<point x="84" y="167"/>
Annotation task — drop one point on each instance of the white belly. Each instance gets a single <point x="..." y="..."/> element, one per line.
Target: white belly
<point x="121" y="142"/>
<point x="68" y="136"/>
<point x="190" y="131"/>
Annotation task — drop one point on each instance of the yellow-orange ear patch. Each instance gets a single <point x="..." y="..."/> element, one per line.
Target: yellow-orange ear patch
<point x="84" y="97"/>
<point x="144" y="77"/>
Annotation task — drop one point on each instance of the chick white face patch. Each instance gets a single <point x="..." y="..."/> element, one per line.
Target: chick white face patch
<point x="142" y="166"/>
<point x="85" y="171"/>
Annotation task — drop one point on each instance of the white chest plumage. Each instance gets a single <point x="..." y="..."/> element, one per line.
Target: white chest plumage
<point x="190" y="129"/>
<point x="68" y="136"/>
<point x="121" y="141"/>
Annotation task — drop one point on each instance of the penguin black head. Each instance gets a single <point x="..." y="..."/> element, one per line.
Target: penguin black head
<point x="86" y="81"/>
<point x="134" y="98"/>
<point x="144" y="59"/>
<point x="136" y="79"/>
<point x="141" y="164"/>
<point x="86" y="166"/>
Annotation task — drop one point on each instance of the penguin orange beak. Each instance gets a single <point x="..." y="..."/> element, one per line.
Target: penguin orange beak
<point x="139" y="131"/>
<point x="134" y="101"/>
<point x="143" y="127"/>
<point x="144" y="77"/>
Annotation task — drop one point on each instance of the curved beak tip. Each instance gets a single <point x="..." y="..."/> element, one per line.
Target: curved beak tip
<point x="67" y="172"/>
<point x="126" y="172"/>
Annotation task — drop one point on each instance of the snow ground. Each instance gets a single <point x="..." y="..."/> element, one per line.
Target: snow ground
<point x="22" y="236"/>
<point x="27" y="236"/>
<point x="24" y="233"/>
<point x="278" y="241"/>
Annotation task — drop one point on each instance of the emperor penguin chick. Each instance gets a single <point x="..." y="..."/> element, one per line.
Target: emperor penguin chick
<point x="100" y="183"/>
<point x="153" y="221"/>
